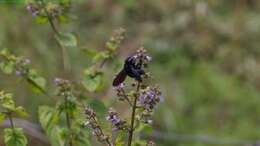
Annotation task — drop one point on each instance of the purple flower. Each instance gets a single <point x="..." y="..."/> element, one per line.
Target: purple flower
<point x="117" y="123"/>
<point x="32" y="9"/>
<point x="149" y="99"/>
<point x="114" y="119"/>
<point x="18" y="73"/>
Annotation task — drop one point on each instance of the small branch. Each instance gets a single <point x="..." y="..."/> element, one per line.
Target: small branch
<point x="126" y="97"/>
<point x="68" y="122"/>
<point x="131" y="131"/>
<point x="49" y="17"/>
<point x="10" y="120"/>
<point x="103" y="63"/>
<point x="102" y="133"/>
<point x="56" y="31"/>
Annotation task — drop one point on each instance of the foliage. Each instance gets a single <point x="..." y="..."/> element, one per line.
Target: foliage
<point x="205" y="59"/>
<point x="12" y="136"/>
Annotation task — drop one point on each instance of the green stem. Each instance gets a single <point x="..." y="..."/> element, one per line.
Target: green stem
<point x="131" y="131"/>
<point x="56" y="31"/>
<point x="9" y="113"/>
<point x="68" y="121"/>
<point x="11" y="120"/>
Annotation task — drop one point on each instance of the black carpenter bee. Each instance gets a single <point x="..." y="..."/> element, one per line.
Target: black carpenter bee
<point x="132" y="68"/>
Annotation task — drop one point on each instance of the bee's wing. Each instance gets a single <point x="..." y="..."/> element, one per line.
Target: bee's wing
<point x="120" y="78"/>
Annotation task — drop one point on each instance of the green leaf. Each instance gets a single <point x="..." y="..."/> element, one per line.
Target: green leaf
<point x="9" y="105"/>
<point x="62" y="18"/>
<point x="14" y="137"/>
<point x="101" y="56"/>
<point x="2" y="117"/>
<point x="82" y="140"/>
<point x="6" y="99"/>
<point x="37" y="82"/>
<point x="20" y="111"/>
<point x="111" y="46"/>
<point x="54" y="135"/>
<point x="90" y="52"/>
<point x="7" y="67"/>
<point x="92" y="81"/>
<point x="41" y="19"/>
<point x="46" y="115"/>
<point x="98" y="106"/>
<point x="121" y="135"/>
<point x="67" y="39"/>
<point x="48" y="118"/>
<point x="145" y="128"/>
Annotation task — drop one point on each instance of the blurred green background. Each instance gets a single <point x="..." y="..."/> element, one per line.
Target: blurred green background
<point x="205" y="58"/>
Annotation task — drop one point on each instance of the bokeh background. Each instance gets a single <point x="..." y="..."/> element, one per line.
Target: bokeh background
<point x="205" y="58"/>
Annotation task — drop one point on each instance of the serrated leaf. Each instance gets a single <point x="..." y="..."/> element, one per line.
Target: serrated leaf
<point x="92" y="81"/>
<point x="14" y="137"/>
<point x="47" y="120"/>
<point x="46" y="115"/>
<point x="20" y="111"/>
<point x="54" y="135"/>
<point x="7" y="67"/>
<point x="64" y="133"/>
<point x="67" y="39"/>
<point x="6" y="101"/>
<point x="9" y="106"/>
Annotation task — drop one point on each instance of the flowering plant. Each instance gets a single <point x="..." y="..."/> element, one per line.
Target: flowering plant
<point x="63" y="122"/>
<point x="142" y="98"/>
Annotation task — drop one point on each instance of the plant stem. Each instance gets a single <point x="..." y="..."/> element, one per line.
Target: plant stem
<point x="68" y="122"/>
<point x="131" y="131"/>
<point x="102" y="133"/>
<point x="56" y="31"/>
<point x="9" y="114"/>
<point x="11" y="120"/>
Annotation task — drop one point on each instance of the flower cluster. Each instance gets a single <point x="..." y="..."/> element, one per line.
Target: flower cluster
<point x="18" y="64"/>
<point x="117" y="123"/>
<point x="33" y="9"/>
<point x="92" y="123"/>
<point x="64" y="87"/>
<point x="49" y="9"/>
<point x="142" y="98"/>
<point x="150" y="97"/>
<point x="116" y="39"/>
<point x="21" y="66"/>
<point x="142" y="58"/>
